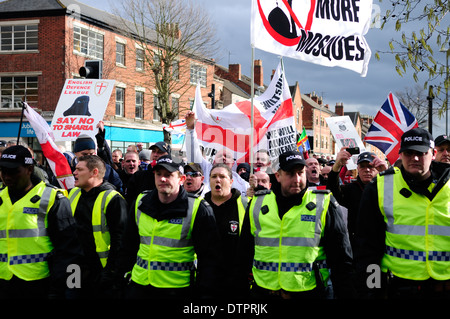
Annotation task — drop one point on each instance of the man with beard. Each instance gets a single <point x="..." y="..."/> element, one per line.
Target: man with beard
<point x="313" y="177"/>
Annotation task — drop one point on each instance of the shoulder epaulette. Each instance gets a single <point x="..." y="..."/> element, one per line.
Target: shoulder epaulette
<point x="263" y="192"/>
<point x="389" y="171"/>
<point x="193" y="195"/>
<point x="321" y="191"/>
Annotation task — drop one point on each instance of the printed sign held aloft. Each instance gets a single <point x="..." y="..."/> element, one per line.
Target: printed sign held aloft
<point x="81" y="106"/>
<point x="326" y="32"/>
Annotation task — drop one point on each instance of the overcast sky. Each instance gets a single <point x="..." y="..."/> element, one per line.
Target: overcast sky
<point x="363" y="94"/>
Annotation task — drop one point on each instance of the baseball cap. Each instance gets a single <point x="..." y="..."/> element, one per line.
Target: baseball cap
<point x="417" y="139"/>
<point x="167" y="163"/>
<point x="16" y="156"/>
<point x="441" y="139"/>
<point x="194" y="167"/>
<point x="366" y="157"/>
<point x="289" y="159"/>
<point x="163" y="146"/>
<point x="3" y="143"/>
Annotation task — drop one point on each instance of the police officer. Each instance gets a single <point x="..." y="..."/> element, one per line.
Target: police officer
<point x="403" y="226"/>
<point x="100" y="212"/>
<point x="294" y="236"/>
<point x="167" y="227"/>
<point x="38" y="239"/>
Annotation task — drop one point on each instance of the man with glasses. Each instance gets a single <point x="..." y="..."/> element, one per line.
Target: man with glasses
<point x="403" y="226"/>
<point x="194" y="179"/>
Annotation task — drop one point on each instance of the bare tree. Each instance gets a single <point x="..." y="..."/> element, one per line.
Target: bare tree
<point x="168" y="34"/>
<point x="415" y="100"/>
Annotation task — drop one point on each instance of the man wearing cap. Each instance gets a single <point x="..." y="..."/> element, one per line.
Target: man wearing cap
<point x="194" y="179"/>
<point x="442" y="145"/>
<point x="144" y="157"/>
<point x="145" y="180"/>
<point x="38" y="239"/>
<point x="403" y="226"/>
<point x="167" y="228"/>
<point x="349" y="195"/>
<point x="294" y="236"/>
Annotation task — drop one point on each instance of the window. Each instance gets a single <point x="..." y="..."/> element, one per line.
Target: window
<point x="156" y="107"/>
<point x="88" y="42"/>
<point x="139" y="59"/>
<point x="175" y="107"/>
<point x="19" y="37"/>
<point x="139" y="105"/>
<point x="298" y="116"/>
<point x="120" y="101"/>
<point x="120" y="53"/>
<point x="198" y="75"/>
<point x="176" y="70"/>
<point x="13" y="89"/>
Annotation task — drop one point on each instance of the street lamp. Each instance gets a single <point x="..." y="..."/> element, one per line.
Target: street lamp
<point x="446" y="91"/>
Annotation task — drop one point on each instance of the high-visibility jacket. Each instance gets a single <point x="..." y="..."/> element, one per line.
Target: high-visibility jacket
<point x="418" y="229"/>
<point x="100" y="229"/>
<point x="24" y="241"/>
<point x="242" y="203"/>
<point x="287" y="250"/>
<point x="166" y="251"/>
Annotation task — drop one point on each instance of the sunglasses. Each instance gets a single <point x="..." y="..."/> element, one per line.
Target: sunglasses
<point x="193" y="174"/>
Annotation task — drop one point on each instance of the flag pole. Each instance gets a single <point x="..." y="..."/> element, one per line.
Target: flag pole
<point x="252" y="111"/>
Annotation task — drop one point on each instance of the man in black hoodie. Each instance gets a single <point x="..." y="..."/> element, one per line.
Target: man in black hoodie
<point x="166" y="229"/>
<point x="100" y="213"/>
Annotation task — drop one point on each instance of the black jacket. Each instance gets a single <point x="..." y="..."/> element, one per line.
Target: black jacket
<point x="335" y="242"/>
<point x="204" y="234"/>
<point x="116" y="216"/>
<point x="233" y="281"/>
<point x="349" y="196"/>
<point x="371" y="228"/>
<point x="138" y="183"/>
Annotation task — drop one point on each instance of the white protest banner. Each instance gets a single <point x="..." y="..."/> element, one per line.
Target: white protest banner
<point x="230" y="128"/>
<point x="81" y="106"/>
<point x="345" y="135"/>
<point x="325" y="32"/>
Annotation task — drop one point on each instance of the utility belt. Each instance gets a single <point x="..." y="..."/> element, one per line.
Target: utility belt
<point x="418" y="286"/>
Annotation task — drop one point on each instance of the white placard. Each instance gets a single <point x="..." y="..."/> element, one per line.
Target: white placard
<point x="345" y="135"/>
<point x="81" y="106"/>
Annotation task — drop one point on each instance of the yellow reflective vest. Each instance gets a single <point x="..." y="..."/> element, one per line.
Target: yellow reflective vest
<point x="100" y="229"/>
<point x="417" y="230"/>
<point x="288" y="249"/>
<point x="24" y="241"/>
<point x="166" y="253"/>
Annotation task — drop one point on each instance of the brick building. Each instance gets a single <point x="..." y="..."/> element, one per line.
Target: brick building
<point x="43" y="43"/>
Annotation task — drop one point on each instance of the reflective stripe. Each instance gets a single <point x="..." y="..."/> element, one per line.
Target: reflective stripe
<point x="103" y="227"/>
<point x="41" y="231"/>
<point x="289" y="241"/>
<point x="2" y="234"/>
<point x="388" y="205"/>
<point x="28" y="259"/>
<point x="170" y="242"/>
<point x="288" y="267"/>
<point x="74" y="194"/>
<point x="418" y="255"/>
<point x="169" y="266"/>
<point x="438" y="230"/>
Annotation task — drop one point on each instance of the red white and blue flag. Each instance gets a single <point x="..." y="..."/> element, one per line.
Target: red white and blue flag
<point x="391" y="121"/>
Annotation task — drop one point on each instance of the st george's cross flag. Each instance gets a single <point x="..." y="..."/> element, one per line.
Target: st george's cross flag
<point x="55" y="158"/>
<point x="391" y="121"/>
<point x="329" y="33"/>
<point x="230" y="128"/>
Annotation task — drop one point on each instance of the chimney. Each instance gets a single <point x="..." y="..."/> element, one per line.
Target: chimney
<point x="339" y="110"/>
<point x="235" y="71"/>
<point x="314" y="97"/>
<point x="258" y="70"/>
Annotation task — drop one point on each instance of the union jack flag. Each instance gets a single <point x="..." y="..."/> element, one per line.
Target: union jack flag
<point x="391" y="121"/>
